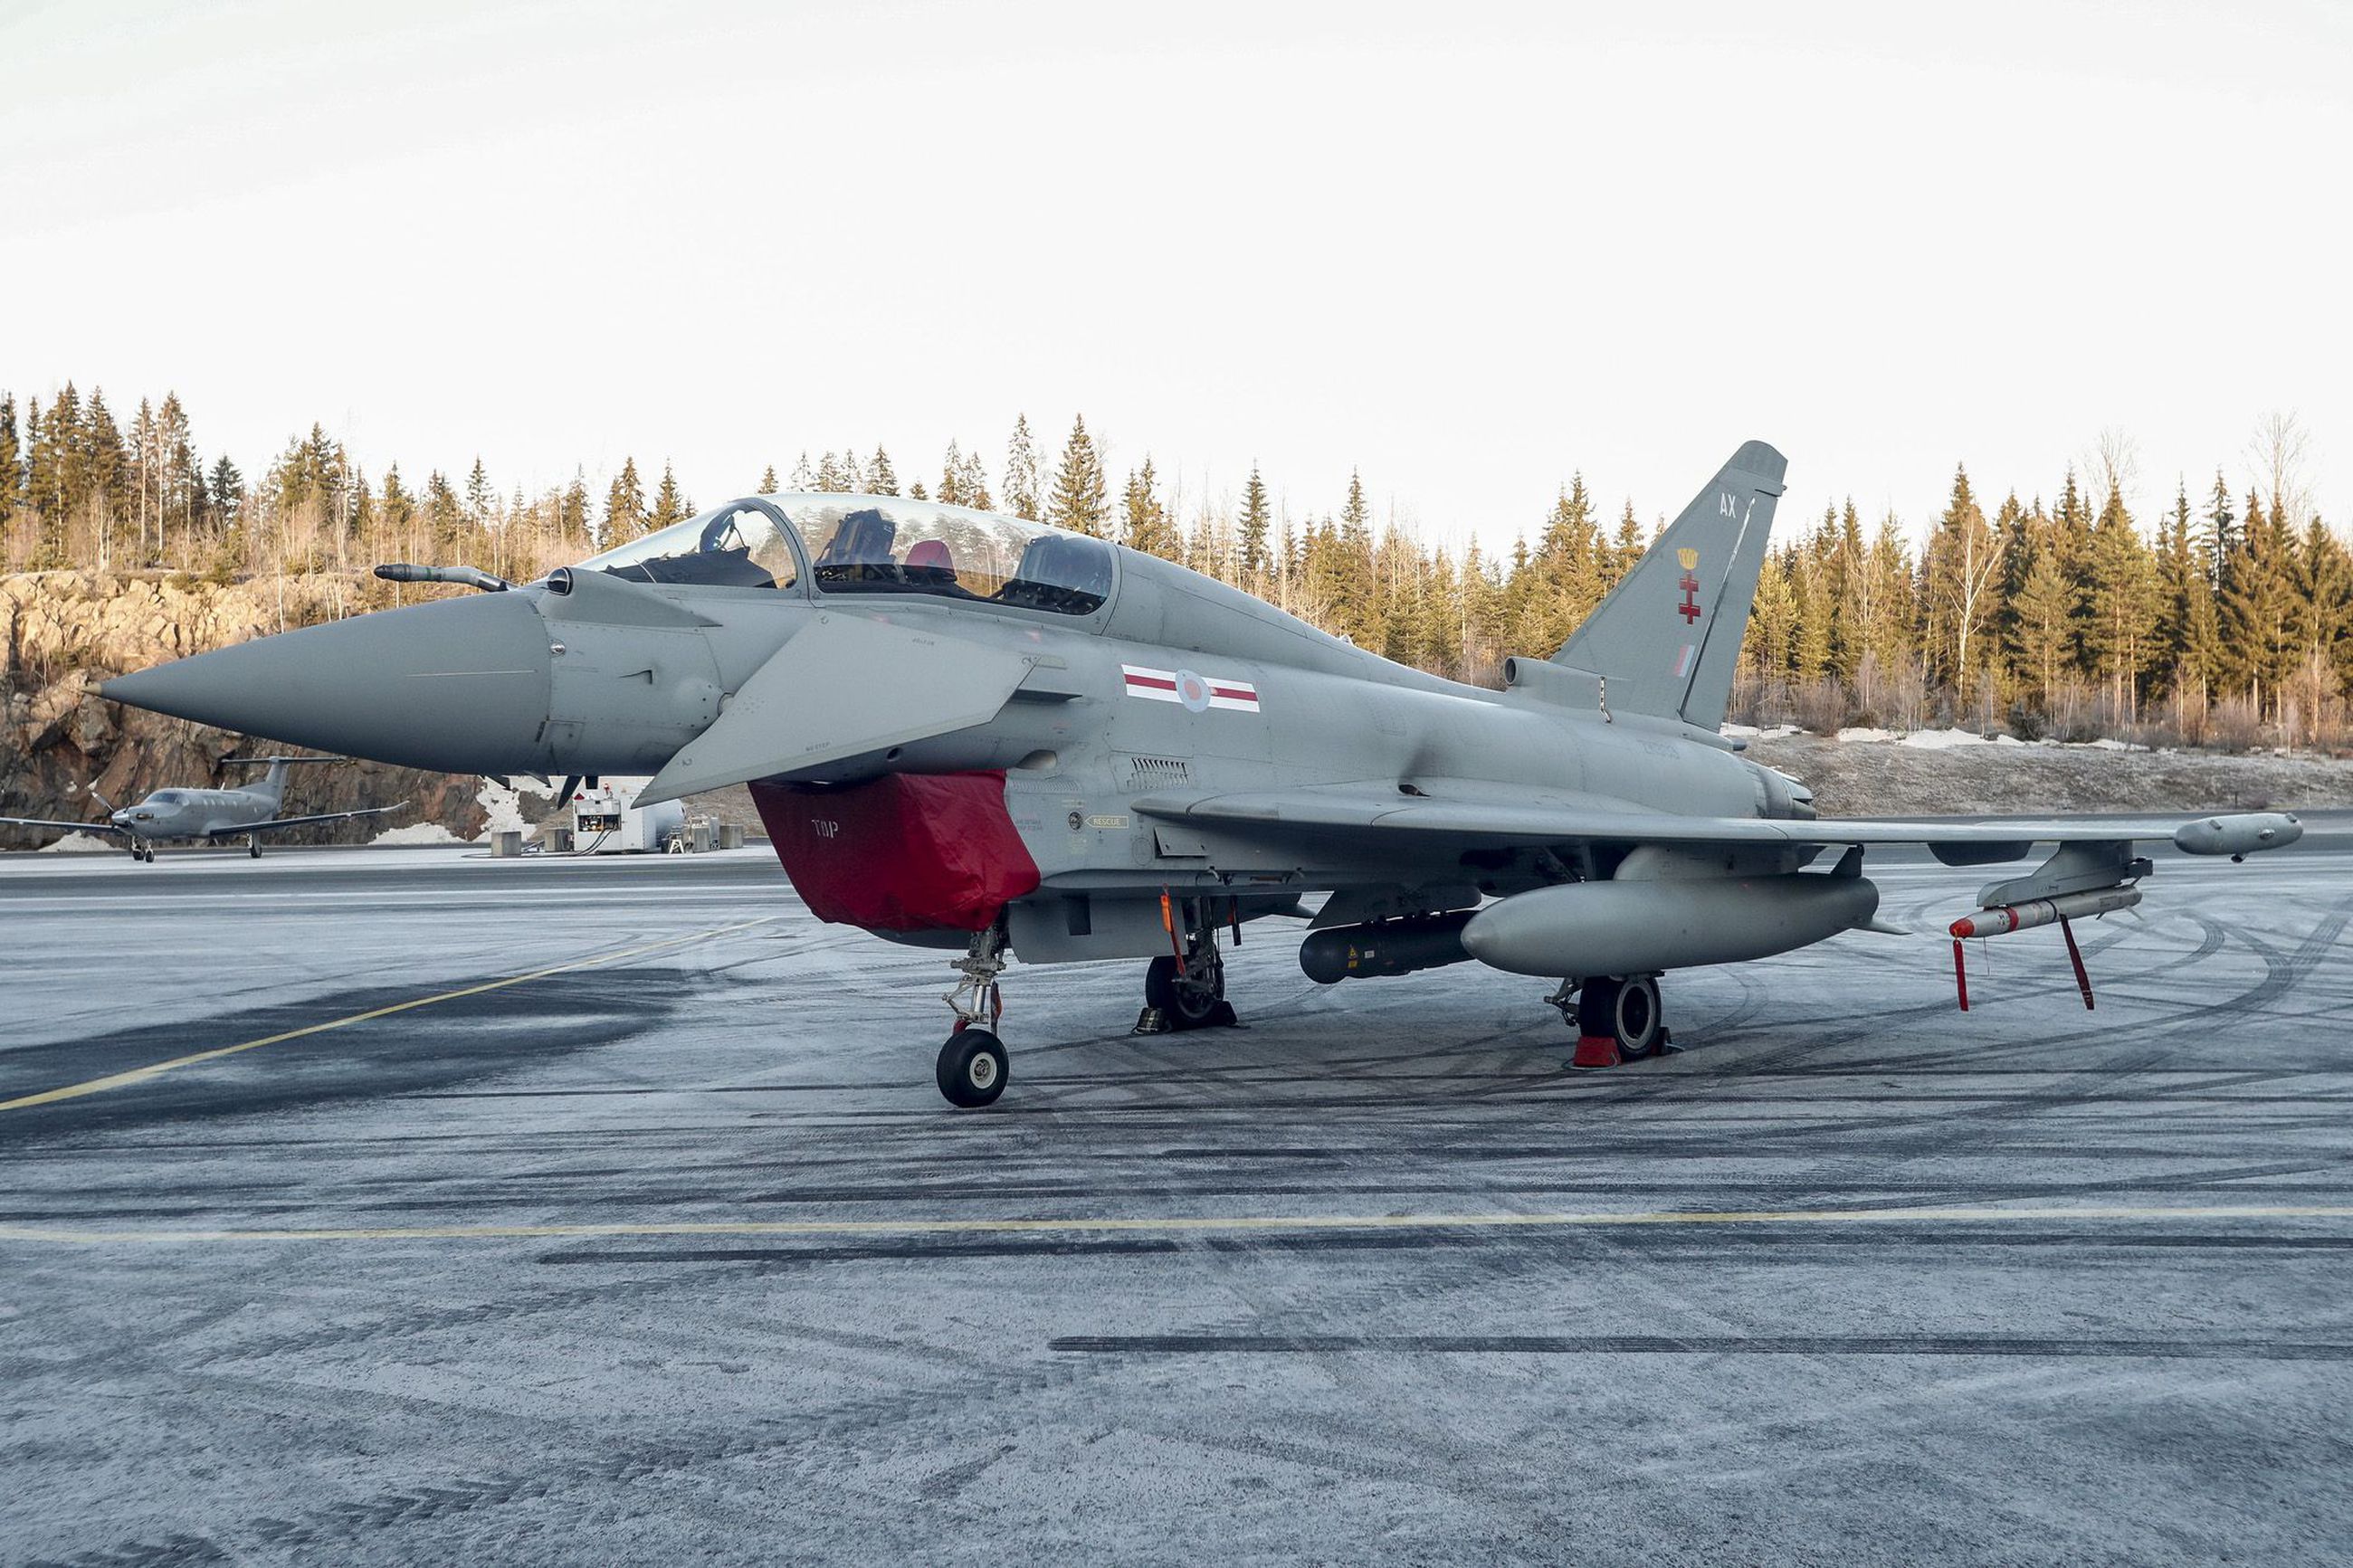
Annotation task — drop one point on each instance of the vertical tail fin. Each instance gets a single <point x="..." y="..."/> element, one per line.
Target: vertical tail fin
<point x="271" y="785"/>
<point x="1668" y="634"/>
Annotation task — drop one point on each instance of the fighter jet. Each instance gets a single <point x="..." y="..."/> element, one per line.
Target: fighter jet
<point x="969" y="732"/>
<point x="211" y="816"/>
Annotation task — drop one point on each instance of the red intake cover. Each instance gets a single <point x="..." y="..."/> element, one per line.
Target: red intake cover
<point x="903" y="852"/>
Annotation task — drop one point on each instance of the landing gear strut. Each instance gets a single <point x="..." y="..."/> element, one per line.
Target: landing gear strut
<point x="972" y="1065"/>
<point x="1186" y="989"/>
<point x="1616" y="1018"/>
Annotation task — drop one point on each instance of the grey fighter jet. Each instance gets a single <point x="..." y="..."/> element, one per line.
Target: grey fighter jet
<point x="969" y="732"/>
<point x="208" y="816"/>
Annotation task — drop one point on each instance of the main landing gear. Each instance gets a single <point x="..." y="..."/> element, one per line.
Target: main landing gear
<point x="1186" y="988"/>
<point x="253" y="845"/>
<point x="1616" y="1018"/>
<point x="972" y="1065"/>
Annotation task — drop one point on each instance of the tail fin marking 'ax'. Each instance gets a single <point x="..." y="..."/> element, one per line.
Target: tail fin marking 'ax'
<point x="1667" y="637"/>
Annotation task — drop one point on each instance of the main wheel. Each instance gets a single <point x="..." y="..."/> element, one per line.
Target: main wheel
<point x="151" y="854"/>
<point x="253" y="845"/>
<point x="1186" y="1005"/>
<point x="973" y="1068"/>
<point x="1634" y="1017"/>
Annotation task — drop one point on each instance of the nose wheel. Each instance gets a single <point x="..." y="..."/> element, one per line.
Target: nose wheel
<point x="973" y="1068"/>
<point x="974" y="1065"/>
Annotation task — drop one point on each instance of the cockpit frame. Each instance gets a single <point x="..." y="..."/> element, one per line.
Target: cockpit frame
<point x="851" y="546"/>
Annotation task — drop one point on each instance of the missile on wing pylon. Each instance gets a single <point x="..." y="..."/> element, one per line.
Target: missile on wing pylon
<point x="2006" y="918"/>
<point x="1587" y="929"/>
<point x="2002" y="919"/>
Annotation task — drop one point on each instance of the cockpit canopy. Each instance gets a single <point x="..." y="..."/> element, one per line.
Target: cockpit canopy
<point x="873" y="545"/>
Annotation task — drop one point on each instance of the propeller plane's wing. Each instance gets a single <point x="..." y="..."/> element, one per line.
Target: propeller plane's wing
<point x="273" y="825"/>
<point x="62" y="827"/>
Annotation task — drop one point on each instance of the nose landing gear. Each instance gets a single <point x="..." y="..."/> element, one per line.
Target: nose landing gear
<point x="974" y="1065"/>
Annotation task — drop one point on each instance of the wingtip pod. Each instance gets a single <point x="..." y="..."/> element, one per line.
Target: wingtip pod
<point x="2238" y="834"/>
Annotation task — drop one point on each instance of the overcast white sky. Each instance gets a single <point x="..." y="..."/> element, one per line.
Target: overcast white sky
<point x="1468" y="248"/>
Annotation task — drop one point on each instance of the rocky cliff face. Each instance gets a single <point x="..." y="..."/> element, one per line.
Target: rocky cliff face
<point x="61" y="633"/>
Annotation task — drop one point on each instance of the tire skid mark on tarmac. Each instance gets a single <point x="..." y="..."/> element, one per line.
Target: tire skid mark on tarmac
<point x="1729" y="1344"/>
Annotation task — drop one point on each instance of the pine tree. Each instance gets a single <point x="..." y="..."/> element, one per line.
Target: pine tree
<point x="1257" y="520"/>
<point x="768" y="480"/>
<point x="952" y="478"/>
<point x="2222" y="537"/>
<point x="804" y="478"/>
<point x="972" y="484"/>
<point x="2125" y="608"/>
<point x="1626" y="547"/>
<point x="1960" y="573"/>
<point x="1080" y="501"/>
<point x="1809" y="592"/>
<point x="1021" y="473"/>
<point x="670" y="504"/>
<point x="1148" y="526"/>
<point x="445" y="515"/>
<point x="11" y="467"/>
<point x="227" y="489"/>
<point x="1566" y="560"/>
<point x="2259" y="607"/>
<point x="1771" y="621"/>
<point x="2071" y="525"/>
<point x="2042" y="621"/>
<point x="2324" y="602"/>
<point x="882" y="479"/>
<point x="571" y="524"/>
<point x="835" y="476"/>
<point x="624" y="506"/>
<point x="1848" y="584"/>
<point x="479" y="499"/>
<point x="398" y="512"/>
<point x="2187" y="629"/>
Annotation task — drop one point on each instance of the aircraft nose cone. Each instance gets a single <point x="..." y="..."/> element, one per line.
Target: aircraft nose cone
<point x="456" y="685"/>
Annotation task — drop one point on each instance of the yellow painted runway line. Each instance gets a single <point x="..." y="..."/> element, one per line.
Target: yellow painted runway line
<point x="156" y="1069"/>
<point x="1193" y="1224"/>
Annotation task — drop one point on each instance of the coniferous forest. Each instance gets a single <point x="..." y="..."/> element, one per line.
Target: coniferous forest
<point x="2037" y="605"/>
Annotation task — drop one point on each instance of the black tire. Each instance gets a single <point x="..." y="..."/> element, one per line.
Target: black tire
<point x="1184" y="1007"/>
<point x="253" y="847"/>
<point x="973" y="1068"/>
<point x="1596" y="1006"/>
<point x="1635" y="1018"/>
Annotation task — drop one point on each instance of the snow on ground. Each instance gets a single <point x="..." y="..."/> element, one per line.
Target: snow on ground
<point x="417" y="833"/>
<point x="81" y="844"/>
<point x="505" y="807"/>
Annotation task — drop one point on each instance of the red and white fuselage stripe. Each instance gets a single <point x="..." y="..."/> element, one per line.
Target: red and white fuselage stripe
<point x="1197" y="692"/>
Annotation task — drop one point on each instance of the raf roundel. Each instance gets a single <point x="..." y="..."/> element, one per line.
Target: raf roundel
<point x="1198" y="693"/>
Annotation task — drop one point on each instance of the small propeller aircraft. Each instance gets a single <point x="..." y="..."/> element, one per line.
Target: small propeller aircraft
<point x="969" y="732"/>
<point x="209" y="815"/>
